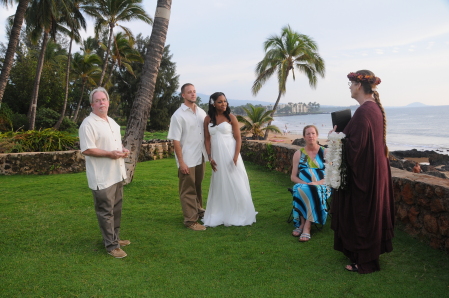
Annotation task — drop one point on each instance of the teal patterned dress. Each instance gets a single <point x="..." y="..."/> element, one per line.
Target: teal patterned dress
<point x="309" y="201"/>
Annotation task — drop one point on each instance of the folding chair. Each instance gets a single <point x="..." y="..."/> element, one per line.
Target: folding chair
<point x="319" y="227"/>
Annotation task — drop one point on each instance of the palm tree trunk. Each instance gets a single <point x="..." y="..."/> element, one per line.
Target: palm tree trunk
<point x="108" y="50"/>
<point x="37" y="80"/>
<point x="140" y="110"/>
<point x="110" y="72"/>
<point x="12" y="45"/>
<point x="79" y="103"/>
<point x="277" y="102"/>
<point x="272" y="113"/>
<point x="67" y="74"/>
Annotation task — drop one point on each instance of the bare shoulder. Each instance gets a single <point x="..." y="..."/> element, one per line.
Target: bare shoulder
<point x="297" y="154"/>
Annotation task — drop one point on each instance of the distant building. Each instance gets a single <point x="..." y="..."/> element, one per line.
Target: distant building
<point x="290" y="108"/>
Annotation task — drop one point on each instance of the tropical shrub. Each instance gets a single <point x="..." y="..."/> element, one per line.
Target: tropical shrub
<point x="47" y="118"/>
<point x="19" y="121"/>
<point x="5" y="118"/>
<point x="36" y="141"/>
<point x="255" y="122"/>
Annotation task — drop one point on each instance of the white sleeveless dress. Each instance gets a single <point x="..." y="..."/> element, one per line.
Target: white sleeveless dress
<point x="229" y="201"/>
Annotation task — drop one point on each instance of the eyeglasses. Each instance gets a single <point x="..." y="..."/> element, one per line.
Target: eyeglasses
<point x="349" y="84"/>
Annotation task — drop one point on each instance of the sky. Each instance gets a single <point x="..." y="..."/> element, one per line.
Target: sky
<point x="216" y="45"/>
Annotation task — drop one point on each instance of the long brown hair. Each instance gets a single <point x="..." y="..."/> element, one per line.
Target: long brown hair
<point x="368" y="89"/>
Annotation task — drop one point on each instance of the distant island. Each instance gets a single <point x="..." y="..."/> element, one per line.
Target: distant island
<point x="416" y="104"/>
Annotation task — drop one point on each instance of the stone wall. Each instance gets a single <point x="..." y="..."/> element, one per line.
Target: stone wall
<point x="39" y="163"/>
<point x="274" y="156"/>
<point x="61" y="162"/>
<point x="421" y="201"/>
<point x="422" y="206"/>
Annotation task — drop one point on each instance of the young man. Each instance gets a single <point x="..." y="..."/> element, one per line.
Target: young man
<point x="101" y="143"/>
<point x="186" y="131"/>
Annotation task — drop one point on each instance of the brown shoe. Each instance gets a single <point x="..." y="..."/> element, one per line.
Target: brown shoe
<point x="124" y="242"/>
<point x="117" y="253"/>
<point x="197" y="227"/>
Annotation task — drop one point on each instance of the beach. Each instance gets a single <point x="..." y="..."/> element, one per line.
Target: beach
<point x="288" y="138"/>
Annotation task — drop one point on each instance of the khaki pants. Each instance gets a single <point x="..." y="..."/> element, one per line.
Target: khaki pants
<point x="108" y="206"/>
<point x="190" y="194"/>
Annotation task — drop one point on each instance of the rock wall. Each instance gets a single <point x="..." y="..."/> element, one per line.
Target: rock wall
<point x="274" y="156"/>
<point x="422" y="206"/>
<point x="421" y="201"/>
<point x="40" y="163"/>
<point x="61" y="162"/>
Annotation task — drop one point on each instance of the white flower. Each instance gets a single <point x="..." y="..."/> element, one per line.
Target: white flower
<point x="333" y="160"/>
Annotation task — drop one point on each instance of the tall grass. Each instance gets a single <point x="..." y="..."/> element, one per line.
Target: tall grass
<point x="52" y="246"/>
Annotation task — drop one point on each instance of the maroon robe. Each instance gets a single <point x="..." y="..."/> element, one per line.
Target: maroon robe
<point x="363" y="213"/>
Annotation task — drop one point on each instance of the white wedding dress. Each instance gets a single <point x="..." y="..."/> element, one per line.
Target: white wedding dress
<point x="229" y="201"/>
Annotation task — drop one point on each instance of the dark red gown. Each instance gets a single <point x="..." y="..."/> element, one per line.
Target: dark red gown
<point x="363" y="213"/>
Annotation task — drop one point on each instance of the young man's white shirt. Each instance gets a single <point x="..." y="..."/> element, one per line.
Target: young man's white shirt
<point x="187" y="128"/>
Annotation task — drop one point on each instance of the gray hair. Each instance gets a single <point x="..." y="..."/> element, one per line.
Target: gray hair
<point x="99" y="89"/>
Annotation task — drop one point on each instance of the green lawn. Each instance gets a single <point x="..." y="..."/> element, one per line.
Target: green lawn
<point x="149" y="135"/>
<point x="52" y="246"/>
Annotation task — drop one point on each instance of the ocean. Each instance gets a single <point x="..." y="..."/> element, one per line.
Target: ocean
<point x="421" y="128"/>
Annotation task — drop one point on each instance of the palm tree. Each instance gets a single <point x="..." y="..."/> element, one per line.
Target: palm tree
<point x="256" y="120"/>
<point x="140" y="110"/>
<point x="283" y="54"/>
<point x="85" y="68"/>
<point x="12" y="44"/>
<point x="90" y="45"/>
<point x="75" y="21"/>
<point x="123" y="53"/>
<point x="44" y="16"/>
<point x="109" y="13"/>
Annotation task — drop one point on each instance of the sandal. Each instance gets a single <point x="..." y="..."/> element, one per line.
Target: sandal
<point x="353" y="267"/>
<point x="296" y="232"/>
<point x="304" y="235"/>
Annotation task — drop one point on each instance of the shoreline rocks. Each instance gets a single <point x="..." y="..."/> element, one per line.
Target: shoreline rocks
<point x="438" y="163"/>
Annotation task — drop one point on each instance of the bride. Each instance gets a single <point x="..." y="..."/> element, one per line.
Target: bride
<point x="229" y="201"/>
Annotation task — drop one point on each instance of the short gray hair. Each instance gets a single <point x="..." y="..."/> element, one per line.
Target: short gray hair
<point x="99" y="89"/>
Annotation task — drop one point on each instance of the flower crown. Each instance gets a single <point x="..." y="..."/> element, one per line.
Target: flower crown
<point x="360" y="78"/>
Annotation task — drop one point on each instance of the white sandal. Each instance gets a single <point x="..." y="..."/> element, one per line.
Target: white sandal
<point x="296" y="232"/>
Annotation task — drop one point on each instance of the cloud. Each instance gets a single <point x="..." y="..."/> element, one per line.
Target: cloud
<point x="430" y="45"/>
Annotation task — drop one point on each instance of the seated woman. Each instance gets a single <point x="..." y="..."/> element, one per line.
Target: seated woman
<point x="309" y="193"/>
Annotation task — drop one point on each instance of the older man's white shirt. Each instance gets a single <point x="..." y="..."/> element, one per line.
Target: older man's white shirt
<point x="96" y="132"/>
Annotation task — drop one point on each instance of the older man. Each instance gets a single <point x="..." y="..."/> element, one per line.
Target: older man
<point x="187" y="132"/>
<point x="100" y="142"/>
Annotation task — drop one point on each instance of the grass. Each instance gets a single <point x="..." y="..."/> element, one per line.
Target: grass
<point x="52" y="246"/>
<point x="149" y="135"/>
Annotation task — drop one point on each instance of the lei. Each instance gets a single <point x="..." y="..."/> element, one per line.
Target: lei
<point x="335" y="170"/>
<point x="360" y="78"/>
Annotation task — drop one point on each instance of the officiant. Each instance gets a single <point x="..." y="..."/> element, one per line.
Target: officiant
<point x="363" y="211"/>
